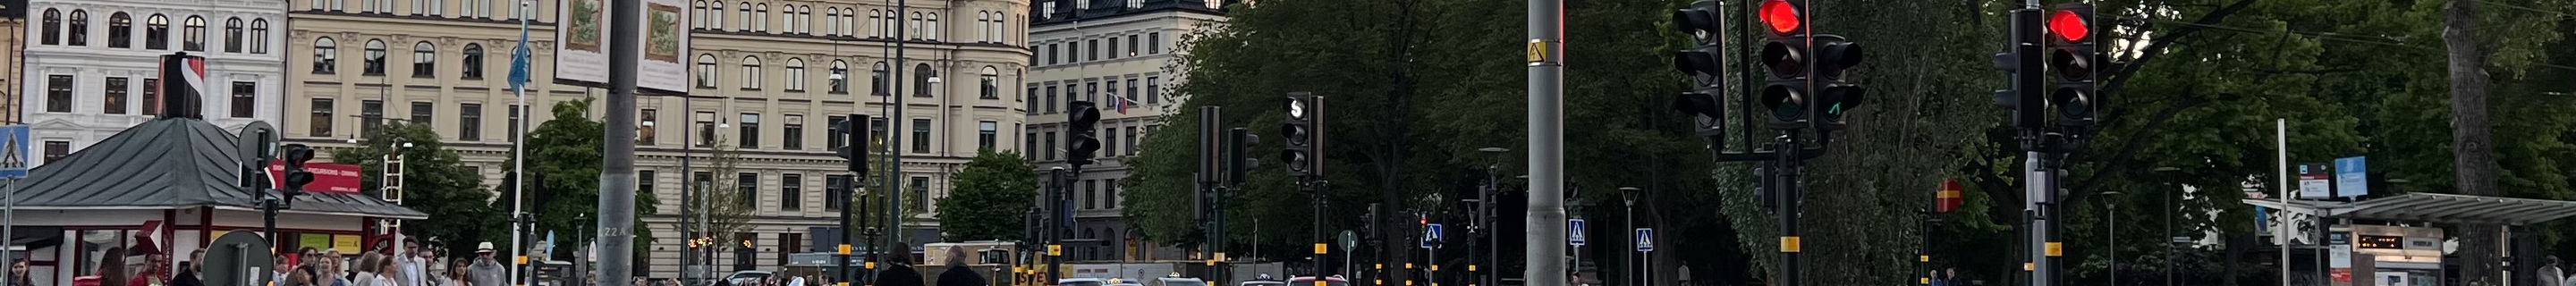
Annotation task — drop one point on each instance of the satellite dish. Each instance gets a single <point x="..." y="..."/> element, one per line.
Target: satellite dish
<point x="257" y="142"/>
<point x="240" y="258"/>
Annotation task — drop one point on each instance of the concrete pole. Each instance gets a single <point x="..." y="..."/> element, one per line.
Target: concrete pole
<point x="1546" y="215"/>
<point x="617" y="170"/>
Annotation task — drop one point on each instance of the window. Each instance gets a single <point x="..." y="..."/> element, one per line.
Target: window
<point x="706" y="71"/>
<point x="749" y="185"/>
<point x="983" y="21"/>
<point x="58" y="93"/>
<point x="715" y="16"/>
<point x="921" y="135"/>
<point x="1028" y="146"/>
<point x="53" y="34"/>
<point x="120" y="30"/>
<point x="644" y="132"/>
<point x="791" y="191"/>
<point x="1132" y="45"/>
<point x="1153" y="90"/>
<point x="834" y="140"/>
<point x="375" y="58"/>
<point x="921" y="80"/>
<point x="1050" y="146"/>
<point x="643" y="179"/>
<point x="1154" y="39"/>
<point x="326" y="56"/>
<point x="79" y="32"/>
<point x="1129" y="97"/>
<point x="836" y="192"/>
<point x="795" y="133"/>
<point x="751" y="73"/>
<point x="878" y="77"/>
<point x="321" y="118"/>
<point x="913" y="30"/>
<point x="517" y="113"/>
<point x="430" y="7"/>
<point x="1051" y="53"/>
<point x="1092" y="45"/>
<point x="850" y="22"/>
<point x="424" y="60"/>
<point x="1113" y="47"/>
<point x="151" y="96"/>
<point x="933" y="27"/>
<point x="745" y="13"/>
<point x="55" y="150"/>
<point x="423" y="112"/>
<point x="1112" y="142"/>
<point x="232" y="35"/>
<point x="469" y="122"/>
<point x="706" y="129"/>
<point x="245" y="99"/>
<point x="795" y="74"/>
<point x="371" y="113"/>
<point x="156" y="32"/>
<point x="760" y="20"/>
<point x="803" y="23"/>
<point x="473" y="60"/>
<point x="1131" y="140"/>
<point x="194" y="38"/>
<point x="1031" y="100"/>
<point x="368" y="6"/>
<point x="877" y="132"/>
<point x="1050" y="99"/>
<point x="474" y="9"/>
<point x="702" y="181"/>
<point x="832" y="21"/>
<point x="750" y="131"/>
<point x="873" y="19"/>
<point x="1091" y="92"/>
<point x="984" y="134"/>
<point x="992" y="83"/>
<point x="115" y="95"/>
<point x="698" y="15"/>
<point x="1088" y="197"/>
<point x="840" y="77"/>
<point x="921" y="190"/>
<point x="259" y="36"/>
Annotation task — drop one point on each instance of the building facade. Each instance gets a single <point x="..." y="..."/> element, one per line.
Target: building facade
<point x="13" y="50"/>
<point x="771" y="78"/>
<point x="92" y="66"/>
<point x="1115" y="54"/>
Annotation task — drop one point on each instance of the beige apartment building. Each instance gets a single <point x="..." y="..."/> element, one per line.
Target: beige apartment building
<point x="1115" y="54"/>
<point x="13" y="50"/>
<point x="768" y="83"/>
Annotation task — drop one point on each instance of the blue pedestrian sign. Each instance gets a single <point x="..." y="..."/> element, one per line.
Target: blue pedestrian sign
<point x="1645" y="240"/>
<point x="1574" y="232"/>
<point x="13" y="151"/>
<point x="1430" y="233"/>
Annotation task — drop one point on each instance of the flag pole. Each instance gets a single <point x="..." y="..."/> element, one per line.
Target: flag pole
<point x="518" y="144"/>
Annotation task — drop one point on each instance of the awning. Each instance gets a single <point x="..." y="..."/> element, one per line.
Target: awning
<point x="170" y="163"/>
<point x="2437" y="208"/>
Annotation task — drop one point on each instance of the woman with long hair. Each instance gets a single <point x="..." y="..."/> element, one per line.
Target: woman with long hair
<point x="368" y="265"/>
<point x="111" y="267"/>
<point x="384" y="272"/>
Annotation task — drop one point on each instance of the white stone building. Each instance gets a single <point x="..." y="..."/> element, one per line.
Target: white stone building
<point x="91" y="65"/>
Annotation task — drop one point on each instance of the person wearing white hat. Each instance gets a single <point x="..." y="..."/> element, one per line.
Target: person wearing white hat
<point x="486" y="271"/>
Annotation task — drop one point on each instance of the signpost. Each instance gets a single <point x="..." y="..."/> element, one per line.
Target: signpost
<point x="1645" y="240"/>
<point x="1430" y="234"/>
<point x="1645" y="247"/>
<point x="1574" y="232"/>
<point x="13" y="166"/>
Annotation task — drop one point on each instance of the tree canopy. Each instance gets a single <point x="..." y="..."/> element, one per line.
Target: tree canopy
<point x="992" y="193"/>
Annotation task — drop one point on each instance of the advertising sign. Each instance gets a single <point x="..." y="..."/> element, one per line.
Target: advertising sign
<point x="327" y="177"/>
<point x="582" y="42"/>
<point x="2350" y="181"/>
<point x="2315" y="182"/>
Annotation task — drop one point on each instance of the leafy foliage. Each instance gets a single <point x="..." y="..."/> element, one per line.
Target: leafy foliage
<point x="564" y="153"/>
<point x="991" y="195"/>
<point x="434" y="182"/>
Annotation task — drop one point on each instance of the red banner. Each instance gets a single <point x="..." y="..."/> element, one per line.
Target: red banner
<point x="327" y="177"/>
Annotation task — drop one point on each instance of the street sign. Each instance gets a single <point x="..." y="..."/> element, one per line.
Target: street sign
<point x="1645" y="240"/>
<point x="1574" y="232"/>
<point x="2349" y="179"/>
<point x="1430" y="233"/>
<point x="13" y="151"/>
<point x="1350" y="241"/>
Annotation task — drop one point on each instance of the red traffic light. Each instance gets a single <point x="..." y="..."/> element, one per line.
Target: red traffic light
<point x="2067" y="24"/>
<point x="1782" y="17"/>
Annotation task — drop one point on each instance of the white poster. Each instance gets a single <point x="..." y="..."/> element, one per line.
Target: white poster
<point x="581" y="52"/>
<point x="2340" y="256"/>
<point x="2392" y="279"/>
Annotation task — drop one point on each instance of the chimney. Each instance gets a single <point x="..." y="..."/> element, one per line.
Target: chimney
<point x="183" y="77"/>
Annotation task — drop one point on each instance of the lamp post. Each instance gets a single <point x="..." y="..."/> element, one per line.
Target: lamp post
<point x="2169" y="225"/>
<point x="1628" y="197"/>
<point x="2111" y="213"/>
<point x="1485" y="215"/>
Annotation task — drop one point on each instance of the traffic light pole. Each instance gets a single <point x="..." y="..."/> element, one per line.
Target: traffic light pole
<point x="1055" y="213"/>
<point x="1315" y="193"/>
<point x="1788" y="184"/>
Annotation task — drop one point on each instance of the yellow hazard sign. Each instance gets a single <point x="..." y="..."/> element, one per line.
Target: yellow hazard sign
<point x="1789" y="244"/>
<point x="1537" y="51"/>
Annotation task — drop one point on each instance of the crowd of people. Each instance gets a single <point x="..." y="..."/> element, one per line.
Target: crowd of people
<point x="415" y="266"/>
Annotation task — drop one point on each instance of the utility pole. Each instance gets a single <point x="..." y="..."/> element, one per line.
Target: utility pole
<point x="1546" y="124"/>
<point x="617" y="170"/>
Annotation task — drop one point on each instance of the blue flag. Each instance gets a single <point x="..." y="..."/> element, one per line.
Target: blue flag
<point x="519" y="61"/>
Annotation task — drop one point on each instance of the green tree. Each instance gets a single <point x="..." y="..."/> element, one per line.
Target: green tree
<point x="990" y="198"/>
<point x="564" y="153"/>
<point x="434" y="182"/>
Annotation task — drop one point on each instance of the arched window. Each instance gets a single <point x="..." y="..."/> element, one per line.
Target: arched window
<point x="53" y="27"/>
<point x="840" y="77"/>
<point x="194" y="38"/>
<point x="795" y="74"/>
<point x="120" y="30"/>
<point x="473" y="61"/>
<point x="79" y="32"/>
<point x="751" y="73"/>
<point x="707" y="70"/>
<point x="804" y="19"/>
<point x="259" y="36"/>
<point x="156" y="32"/>
<point x="981" y="19"/>
<point x="992" y="83"/>
<point x="877" y="80"/>
<point x="232" y="35"/>
<point x="431" y="7"/>
<point x="745" y="14"/>
<point x="715" y="16"/>
<point x="760" y="18"/>
<point x="850" y="22"/>
<point x="921" y="80"/>
<point x="832" y="21"/>
<point x="424" y="60"/>
<point x="375" y="58"/>
<point x="913" y="30"/>
<point x="698" y="15"/>
<point x="326" y="56"/>
<point x="872" y="20"/>
<point x="932" y="29"/>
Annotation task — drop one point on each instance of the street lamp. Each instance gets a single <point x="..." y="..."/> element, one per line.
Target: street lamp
<point x="2111" y="212"/>
<point x="1628" y="196"/>
<point x="2169" y="226"/>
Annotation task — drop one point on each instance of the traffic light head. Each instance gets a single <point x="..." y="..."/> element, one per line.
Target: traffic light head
<point x="1700" y="22"/>
<point x="2071" y="55"/>
<point x="296" y="176"/>
<point x="1782" y="17"/>
<point x="1833" y="98"/>
<point x="1786" y="103"/>
<point x="1303" y="133"/>
<point x="1082" y="119"/>
<point x="855" y="131"/>
<point x="1241" y="163"/>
